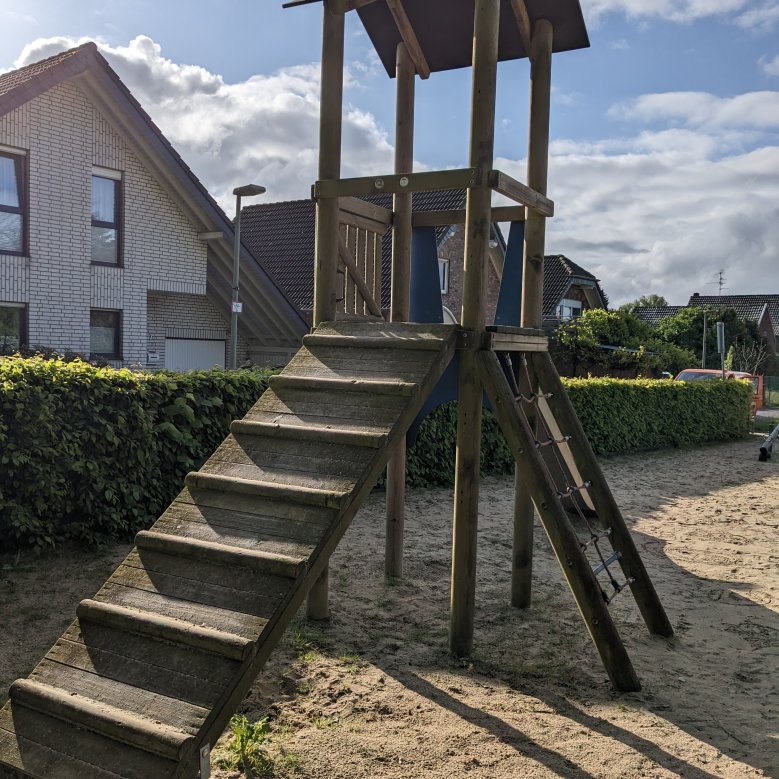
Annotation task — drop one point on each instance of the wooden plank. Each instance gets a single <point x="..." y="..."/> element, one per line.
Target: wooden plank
<point x="277" y="517"/>
<point x="139" y="701"/>
<point x="352" y="206"/>
<point x="196" y="677"/>
<point x="370" y="384"/>
<point x="521" y="193"/>
<point x="248" y="626"/>
<point x="391" y="330"/>
<point x="506" y="342"/>
<point x="315" y="341"/>
<point x="428" y="181"/>
<point x="324" y="434"/>
<point x="109" y="720"/>
<point x="245" y="479"/>
<point x="219" y="596"/>
<point x="279" y="542"/>
<point x="380" y="409"/>
<point x="574" y="564"/>
<point x="408" y="366"/>
<point x="247" y="581"/>
<point x="52" y="748"/>
<point x="133" y="619"/>
<point x="342" y="418"/>
<point x="215" y="555"/>
<point x="457" y="216"/>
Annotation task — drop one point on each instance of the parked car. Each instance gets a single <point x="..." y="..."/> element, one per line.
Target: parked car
<point x="708" y="374"/>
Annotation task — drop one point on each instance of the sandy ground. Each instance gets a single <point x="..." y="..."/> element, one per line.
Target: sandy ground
<point x="374" y="693"/>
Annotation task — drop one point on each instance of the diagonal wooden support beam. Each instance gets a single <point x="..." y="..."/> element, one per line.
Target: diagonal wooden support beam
<point x="409" y="37"/>
<point x="523" y="22"/>
<point x="348" y="260"/>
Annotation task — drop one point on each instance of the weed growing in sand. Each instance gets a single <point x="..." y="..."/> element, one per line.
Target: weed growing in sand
<point x="352" y="661"/>
<point x="323" y="723"/>
<point x="248" y="747"/>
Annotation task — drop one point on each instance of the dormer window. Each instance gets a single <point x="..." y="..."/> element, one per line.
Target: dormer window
<point x="569" y="309"/>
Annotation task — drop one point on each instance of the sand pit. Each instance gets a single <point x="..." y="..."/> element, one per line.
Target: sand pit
<point x="374" y="693"/>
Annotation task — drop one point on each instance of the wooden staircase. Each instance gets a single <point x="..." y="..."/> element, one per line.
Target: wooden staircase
<point x="152" y="669"/>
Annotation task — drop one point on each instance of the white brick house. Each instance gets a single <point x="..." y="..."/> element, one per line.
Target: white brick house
<point x="104" y="232"/>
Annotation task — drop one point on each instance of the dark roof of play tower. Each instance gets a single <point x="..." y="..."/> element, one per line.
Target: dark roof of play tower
<point x="444" y="29"/>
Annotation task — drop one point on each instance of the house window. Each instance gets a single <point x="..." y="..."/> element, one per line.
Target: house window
<point x="13" y="203"/>
<point x="569" y="309"/>
<point x="443" y="275"/>
<point x="105" y="220"/>
<point x="13" y="327"/>
<point x="105" y="334"/>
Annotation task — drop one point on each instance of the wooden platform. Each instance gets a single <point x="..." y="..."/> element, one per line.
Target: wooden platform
<point x="156" y="663"/>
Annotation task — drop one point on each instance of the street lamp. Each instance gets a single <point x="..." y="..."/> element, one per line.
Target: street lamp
<point x="248" y="190"/>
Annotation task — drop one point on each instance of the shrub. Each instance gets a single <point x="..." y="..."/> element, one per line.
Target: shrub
<point x="90" y="453"/>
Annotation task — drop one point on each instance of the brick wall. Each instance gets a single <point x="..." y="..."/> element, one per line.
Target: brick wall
<point x="453" y="249"/>
<point x="64" y="136"/>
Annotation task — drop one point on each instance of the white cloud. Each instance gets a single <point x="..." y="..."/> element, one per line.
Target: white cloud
<point x="759" y="110"/>
<point x="670" y="10"/>
<point x="761" y="18"/>
<point x="264" y="129"/>
<point x="663" y="212"/>
<point x="771" y="67"/>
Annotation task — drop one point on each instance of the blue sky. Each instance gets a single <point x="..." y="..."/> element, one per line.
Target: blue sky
<point x="665" y="133"/>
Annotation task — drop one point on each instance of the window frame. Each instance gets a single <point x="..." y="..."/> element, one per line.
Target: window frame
<point x="21" y="165"/>
<point x="573" y="305"/>
<point x="118" y="181"/>
<point x="23" y="324"/>
<point x="117" y="352"/>
<point x="443" y="281"/>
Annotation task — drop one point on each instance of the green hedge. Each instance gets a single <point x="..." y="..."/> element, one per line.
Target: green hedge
<point x="92" y="453"/>
<point x="618" y="415"/>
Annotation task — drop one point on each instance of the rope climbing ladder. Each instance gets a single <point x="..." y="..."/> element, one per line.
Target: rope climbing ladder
<point x="539" y="456"/>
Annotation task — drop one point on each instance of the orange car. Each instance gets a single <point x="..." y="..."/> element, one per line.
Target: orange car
<point x="707" y="374"/>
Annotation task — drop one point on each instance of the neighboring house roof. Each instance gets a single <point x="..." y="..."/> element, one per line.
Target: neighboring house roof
<point x="269" y="315"/>
<point x="653" y="315"/>
<point x="745" y="306"/>
<point x="281" y="236"/>
<point x="560" y="274"/>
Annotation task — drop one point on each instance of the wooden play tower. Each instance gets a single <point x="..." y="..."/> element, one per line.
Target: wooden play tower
<point x="147" y="676"/>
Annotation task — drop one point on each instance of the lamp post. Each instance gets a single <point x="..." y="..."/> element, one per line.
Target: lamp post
<point x="248" y="190"/>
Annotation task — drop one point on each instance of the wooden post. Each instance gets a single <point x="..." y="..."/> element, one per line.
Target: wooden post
<point x="327" y="212"/>
<point x="477" y="222"/>
<point x="399" y="308"/>
<point x="532" y="284"/>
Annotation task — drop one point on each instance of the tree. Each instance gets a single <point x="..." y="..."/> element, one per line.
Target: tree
<point x="644" y="300"/>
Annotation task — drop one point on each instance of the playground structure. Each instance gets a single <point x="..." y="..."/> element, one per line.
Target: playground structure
<point x="148" y="675"/>
<point x="767" y="447"/>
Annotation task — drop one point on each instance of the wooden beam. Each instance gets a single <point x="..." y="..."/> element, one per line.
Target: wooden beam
<point x="353" y="205"/>
<point x="457" y="216"/>
<point x="523" y="22"/>
<point x="459" y="178"/>
<point x="537" y="166"/>
<point x="521" y="193"/>
<point x="357" y="277"/>
<point x="469" y="405"/>
<point x="409" y="37"/>
<point x="401" y="293"/>
<point x="213" y="235"/>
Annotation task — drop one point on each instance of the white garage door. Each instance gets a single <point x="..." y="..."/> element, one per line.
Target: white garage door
<point x="184" y="354"/>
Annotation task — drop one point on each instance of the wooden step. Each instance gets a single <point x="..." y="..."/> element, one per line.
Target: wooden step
<point x="179" y="631"/>
<point x="371" y="386"/>
<point x="263" y="489"/>
<point x="266" y="562"/>
<point x="384" y="341"/>
<point x="325" y="434"/>
<point x="44" y="747"/>
<point x="106" y="719"/>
